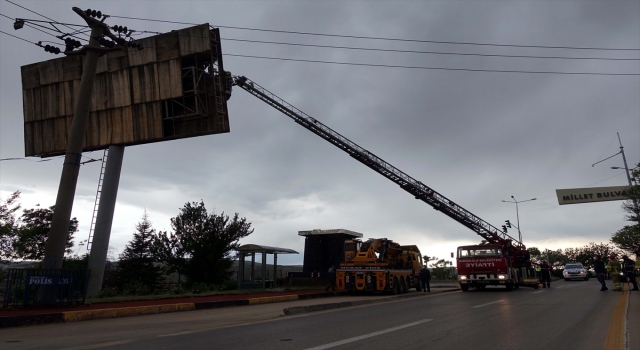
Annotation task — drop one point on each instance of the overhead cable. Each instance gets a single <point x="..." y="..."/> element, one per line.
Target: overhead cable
<point x="434" y="68"/>
<point x="392" y="39"/>
<point x="432" y="52"/>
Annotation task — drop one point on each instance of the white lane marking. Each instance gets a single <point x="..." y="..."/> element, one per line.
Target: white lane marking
<point x="175" y="334"/>
<point x="493" y="302"/>
<point x="351" y="340"/>
<point x="542" y="291"/>
<point x="103" y="345"/>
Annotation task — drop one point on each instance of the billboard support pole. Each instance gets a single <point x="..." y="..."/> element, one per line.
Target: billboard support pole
<point x="104" y="219"/>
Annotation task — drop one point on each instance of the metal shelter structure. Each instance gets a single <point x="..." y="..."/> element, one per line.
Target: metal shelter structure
<point x="251" y="250"/>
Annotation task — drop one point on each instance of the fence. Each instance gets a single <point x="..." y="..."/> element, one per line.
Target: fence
<point x="25" y="287"/>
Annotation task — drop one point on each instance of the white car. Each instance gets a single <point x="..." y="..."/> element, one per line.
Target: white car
<point x="575" y="271"/>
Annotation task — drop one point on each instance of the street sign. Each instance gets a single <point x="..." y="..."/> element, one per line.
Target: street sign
<point x="592" y="194"/>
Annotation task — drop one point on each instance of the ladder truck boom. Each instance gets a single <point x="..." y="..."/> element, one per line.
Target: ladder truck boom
<point x="416" y="188"/>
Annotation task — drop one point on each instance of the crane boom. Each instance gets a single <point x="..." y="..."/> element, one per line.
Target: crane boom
<point x="416" y="188"/>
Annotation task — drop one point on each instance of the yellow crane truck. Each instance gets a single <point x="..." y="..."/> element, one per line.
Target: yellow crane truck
<point x="379" y="265"/>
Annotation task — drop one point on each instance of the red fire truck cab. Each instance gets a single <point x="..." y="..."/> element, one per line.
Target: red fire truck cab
<point x="492" y="265"/>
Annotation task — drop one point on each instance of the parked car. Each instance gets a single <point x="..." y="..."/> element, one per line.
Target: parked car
<point x="574" y="271"/>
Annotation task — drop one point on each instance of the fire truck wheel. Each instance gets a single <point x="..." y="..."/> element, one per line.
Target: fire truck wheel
<point x="509" y="286"/>
<point x="464" y="287"/>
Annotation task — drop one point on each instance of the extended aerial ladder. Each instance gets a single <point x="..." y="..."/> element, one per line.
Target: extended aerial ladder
<point x="419" y="190"/>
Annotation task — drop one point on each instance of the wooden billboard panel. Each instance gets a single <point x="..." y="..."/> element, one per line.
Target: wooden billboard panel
<point x="145" y="83"/>
<point x="30" y="76"/>
<point x="117" y="60"/>
<point x="194" y="40"/>
<point x="145" y="56"/>
<point x="120" y="89"/>
<point x="171" y="73"/>
<point x="167" y="47"/>
<point x="171" y="89"/>
<point x="147" y="122"/>
<point x="50" y="71"/>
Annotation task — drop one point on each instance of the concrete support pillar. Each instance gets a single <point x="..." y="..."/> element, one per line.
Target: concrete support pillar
<point x="275" y="269"/>
<point x="240" y="269"/>
<point x="253" y="266"/>
<point x="104" y="219"/>
<point x="264" y="269"/>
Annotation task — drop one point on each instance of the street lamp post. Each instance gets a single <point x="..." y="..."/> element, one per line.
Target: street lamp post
<point x="518" y="214"/>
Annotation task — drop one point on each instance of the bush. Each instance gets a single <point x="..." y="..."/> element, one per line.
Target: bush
<point x="229" y="285"/>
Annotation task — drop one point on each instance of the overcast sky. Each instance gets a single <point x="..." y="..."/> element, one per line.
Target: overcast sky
<point x="476" y="137"/>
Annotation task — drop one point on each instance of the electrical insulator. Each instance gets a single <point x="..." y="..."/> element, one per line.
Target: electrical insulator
<point x="99" y="14"/>
<point x="124" y="30"/>
<point x="94" y="13"/>
<point x="88" y="12"/>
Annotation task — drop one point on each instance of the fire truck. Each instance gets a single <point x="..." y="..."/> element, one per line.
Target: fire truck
<point x="495" y="264"/>
<point x="507" y="262"/>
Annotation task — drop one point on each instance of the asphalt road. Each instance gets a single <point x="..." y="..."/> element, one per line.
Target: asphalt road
<point x="570" y="315"/>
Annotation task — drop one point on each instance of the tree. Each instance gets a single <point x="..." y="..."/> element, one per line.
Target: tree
<point x="535" y="254"/>
<point x="586" y="254"/>
<point x="628" y="238"/>
<point x="32" y="234"/>
<point x="8" y="223"/>
<point x="201" y="245"/>
<point x="136" y="263"/>
<point x="556" y="258"/>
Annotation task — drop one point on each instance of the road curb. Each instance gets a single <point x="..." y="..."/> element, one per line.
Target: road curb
<point x="86" y="315"/>
<point x="321" y="307"/>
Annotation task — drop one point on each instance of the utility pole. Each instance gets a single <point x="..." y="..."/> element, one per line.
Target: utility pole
<point x="58" y="235"/>
<point x="626" y="170"/>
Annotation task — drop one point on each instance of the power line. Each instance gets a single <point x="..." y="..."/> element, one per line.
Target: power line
<point x="432" y="52"/>
<point x="17" y="37"/>
<point x="29" y="21"/>
<point x="434" y="68"/>
<point x="41" y="15"/>
<point x="392" y="39"/>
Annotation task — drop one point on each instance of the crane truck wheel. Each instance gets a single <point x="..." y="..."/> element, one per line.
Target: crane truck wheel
<point x="464" y="287"/>
<point x="403" y="285"/>
<point x="395" y="288"/>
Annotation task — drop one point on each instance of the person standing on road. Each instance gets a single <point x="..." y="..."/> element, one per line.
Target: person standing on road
<point x="545" y="274"/>
<point x="539" y="273"/>
<point x="629" y="268"/>
<point x="601" y="271"/>
<point x="425" y="278"/>
<point x="331" y="276"/>
<point x="637" y="253"/>
<point x="613" y="266"/>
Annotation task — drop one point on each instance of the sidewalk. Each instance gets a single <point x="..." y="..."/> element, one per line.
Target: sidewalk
<point x="24" y="317"/>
